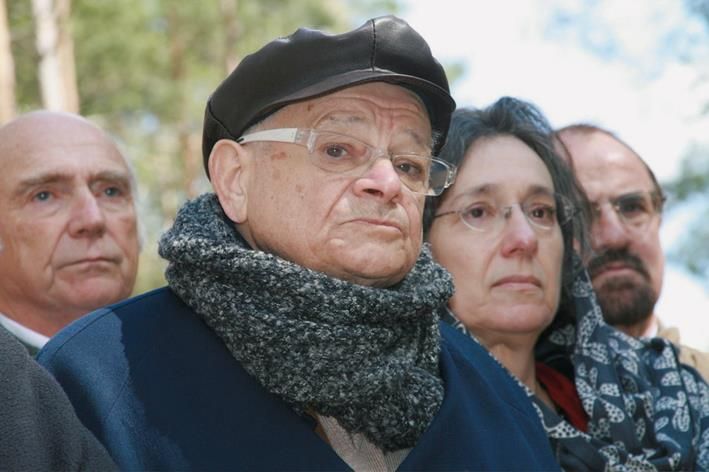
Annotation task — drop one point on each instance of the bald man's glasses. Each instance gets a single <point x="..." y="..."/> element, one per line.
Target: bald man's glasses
<point x="341" y="153"/>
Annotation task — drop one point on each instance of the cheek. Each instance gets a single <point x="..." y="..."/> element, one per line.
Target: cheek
<point x="282" y="194"/>
<point x="301" y="215"/>
<point x="127" y="237"/>
<point x="442" y="245"/>
<point x="414" y="211"/>
<point x="648" y="249"/>
<point x="654" y="259"/>
<point x="30" y="250"/>
<point x="39" y="236"/>
<point x="122" y="224"/>
<point x="466" y="264"/>
<point x="469" y="278"/>
<point x="652" y="250"/>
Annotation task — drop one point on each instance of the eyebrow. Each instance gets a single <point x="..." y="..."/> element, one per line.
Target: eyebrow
<point x="489" y="189"/>
<point x="420" y="140"/>
<point x="40" y="180"/>
<point x="632" y="194"/>
<point x="349" y="119"/>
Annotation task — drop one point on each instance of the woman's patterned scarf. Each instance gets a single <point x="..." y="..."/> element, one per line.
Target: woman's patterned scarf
<point x="646" y="411"/>
<point x="365" y="356"/>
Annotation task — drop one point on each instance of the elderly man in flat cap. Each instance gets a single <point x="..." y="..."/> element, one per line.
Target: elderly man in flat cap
<point x="298" y="328"/>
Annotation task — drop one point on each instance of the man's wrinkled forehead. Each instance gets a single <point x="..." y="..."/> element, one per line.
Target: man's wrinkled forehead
<point x="85" y="151"/>
<point x="353" y="110"/>
<point x="72" y="154"/>
<point x="357" y="124"/>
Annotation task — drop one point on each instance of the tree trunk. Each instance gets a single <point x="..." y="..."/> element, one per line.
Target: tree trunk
<point x="7" y="69"/>
<point x="185" y="137"/>
<point x="232" y="32"/>
<point x="57" y="70"/>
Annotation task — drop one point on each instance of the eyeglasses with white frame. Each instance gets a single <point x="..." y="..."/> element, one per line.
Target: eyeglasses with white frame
<point x="341" y="153"/>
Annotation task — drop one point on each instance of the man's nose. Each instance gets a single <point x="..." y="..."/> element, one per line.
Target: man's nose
<point x="608" y="231"/>
<point x="87" y="216"/>
<point x="380" y="180"/>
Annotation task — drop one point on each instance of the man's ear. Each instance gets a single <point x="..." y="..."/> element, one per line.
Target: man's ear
<point x="229" y="169"/>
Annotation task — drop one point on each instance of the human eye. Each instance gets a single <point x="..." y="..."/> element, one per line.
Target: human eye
<point x="336" y="147"/>
<point x="113" y="191"/>
<point x="633" y="206"/>
<point x="44" y="200"/>
<point x="42" y="196"/>
<point x="479" y="214"/>
<point x="541" y="213"/>
<point x="411" y="167"/>
<point x="336" y="151"/>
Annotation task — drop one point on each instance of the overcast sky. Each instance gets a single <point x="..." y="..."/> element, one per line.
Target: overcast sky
<point x="636" y="68"/>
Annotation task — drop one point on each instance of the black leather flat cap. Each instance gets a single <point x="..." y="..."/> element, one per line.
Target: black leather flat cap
<point x="309" y="63"/>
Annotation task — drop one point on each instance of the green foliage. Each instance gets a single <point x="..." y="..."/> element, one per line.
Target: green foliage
<point x="693" y="177"/>
<point x="694" y="252"/>
<point x="138" y="56"/>
<point x="363" y="9"/>
<point x="24" y="54"/>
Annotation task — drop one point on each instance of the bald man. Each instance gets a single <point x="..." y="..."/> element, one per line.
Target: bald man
<point x="68" y="231"/>
<point x="628" y="264"/>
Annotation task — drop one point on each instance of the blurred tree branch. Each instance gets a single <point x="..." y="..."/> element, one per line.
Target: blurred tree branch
<point x="57" y="70"/>
<point x="7" y="69"/>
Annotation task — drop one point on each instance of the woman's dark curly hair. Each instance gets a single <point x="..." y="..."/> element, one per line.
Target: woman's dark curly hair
<point x="513" y="117"/>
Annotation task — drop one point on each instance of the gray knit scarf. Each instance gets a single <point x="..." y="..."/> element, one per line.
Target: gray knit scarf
<point x="365" y="356"/>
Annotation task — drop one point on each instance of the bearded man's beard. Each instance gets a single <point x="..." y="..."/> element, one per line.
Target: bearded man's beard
<point x="624" y="300"/>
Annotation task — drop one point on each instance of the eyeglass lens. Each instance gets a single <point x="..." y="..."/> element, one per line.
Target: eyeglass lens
<point x="339" y="153"/>
<point x="487" y="215"/>
<point x="635" y="209"/>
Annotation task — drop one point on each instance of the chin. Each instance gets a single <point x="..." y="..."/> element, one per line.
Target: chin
<point x="371" y="277"/>
<point x="376" y="274"/>
<point x="524" y="319"/>
<point x="377" y="261"/>
<point x="94" y="296"/>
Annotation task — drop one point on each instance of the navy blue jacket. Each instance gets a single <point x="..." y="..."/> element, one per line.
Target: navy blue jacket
<point x="161" y="391"/>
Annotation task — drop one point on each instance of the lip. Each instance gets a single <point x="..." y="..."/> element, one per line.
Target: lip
<point x="613" y="268"/>
<point x="378" y="222"/>
<point x="91" y="261"/>
<point x="518" y="281"/>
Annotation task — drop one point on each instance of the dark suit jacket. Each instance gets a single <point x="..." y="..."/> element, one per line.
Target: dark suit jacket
<point x="162" y="392"/>
<point x="38" y="427"/>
